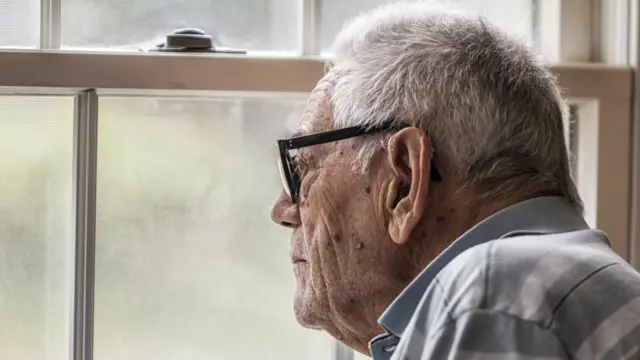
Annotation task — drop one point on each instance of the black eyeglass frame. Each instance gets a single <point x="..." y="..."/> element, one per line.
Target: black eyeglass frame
<point x="287" y="163"/>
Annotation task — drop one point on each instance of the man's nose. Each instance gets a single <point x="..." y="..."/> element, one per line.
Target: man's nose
<point x="285" y="212"/>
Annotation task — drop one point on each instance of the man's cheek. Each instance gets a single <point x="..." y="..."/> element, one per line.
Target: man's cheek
<point x="324" y="273"/>
<point x="306" y="195"/>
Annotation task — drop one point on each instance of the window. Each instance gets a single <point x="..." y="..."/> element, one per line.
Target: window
<point x="187" y="262"/>
<point x="601" y="147"/>
<point x="572" y="139"/>
<point x="36" y="226"/>
<point x="515" y="15"/>
<point x="19" y="21"/>
<point x="136" y="222"/>
<point x="129" y="24"/>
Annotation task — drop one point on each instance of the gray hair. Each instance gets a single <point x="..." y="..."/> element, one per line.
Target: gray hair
<point x="493" y="112"/>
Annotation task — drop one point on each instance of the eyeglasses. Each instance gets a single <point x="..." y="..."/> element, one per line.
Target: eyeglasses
<point x="287" y="164"/>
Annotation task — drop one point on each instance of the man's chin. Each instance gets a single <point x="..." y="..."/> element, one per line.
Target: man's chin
<point x="309" y="325"/>
<point x="306" y="313"/>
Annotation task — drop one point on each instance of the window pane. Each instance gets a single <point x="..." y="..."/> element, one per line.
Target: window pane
<point x="572" y="138"/>
<point x="188" y="264"/>
<point x="249" y="24"/>
<point x="516" y="15"/>
<point x="36" y="227"/>
<point x="19" y="23"/>
<point x="582" y="135"/>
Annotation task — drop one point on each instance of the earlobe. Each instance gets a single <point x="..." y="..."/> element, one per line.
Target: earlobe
<point x="409" y="157"/>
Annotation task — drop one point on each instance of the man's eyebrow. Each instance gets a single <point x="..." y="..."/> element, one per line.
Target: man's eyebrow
<point x="295" y="134"/>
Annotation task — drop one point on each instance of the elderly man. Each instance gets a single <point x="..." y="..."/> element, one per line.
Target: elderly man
<point x="432" y="208"/>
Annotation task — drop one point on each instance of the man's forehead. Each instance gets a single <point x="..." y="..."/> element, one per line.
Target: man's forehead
<point x="318" y="114"/>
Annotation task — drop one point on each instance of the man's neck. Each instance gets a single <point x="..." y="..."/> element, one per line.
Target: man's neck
<point x="441" y="226"/>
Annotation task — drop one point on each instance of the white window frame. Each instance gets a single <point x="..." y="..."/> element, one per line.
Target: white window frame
<point x="571" y="32"/>
<point x="565" y="30"/>
<point x="634" y="57"/>
<point x="50" y="24"/>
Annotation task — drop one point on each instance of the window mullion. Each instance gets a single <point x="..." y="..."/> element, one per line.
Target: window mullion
<point x="614" y="20"/>
<point x="565" y="30"/>
<point x="310" y="26"/>
<point x="342" y="352"/>
<point x="50" y="24"/>
<point x="85" y="167"/>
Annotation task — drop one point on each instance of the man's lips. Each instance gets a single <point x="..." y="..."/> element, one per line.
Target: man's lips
<point x="297" y="259"/>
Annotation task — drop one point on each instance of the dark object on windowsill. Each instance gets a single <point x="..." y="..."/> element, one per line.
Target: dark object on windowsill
<point x="194" y="41"/>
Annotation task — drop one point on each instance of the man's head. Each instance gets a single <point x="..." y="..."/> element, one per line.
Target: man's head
<point x="477" y="124"/>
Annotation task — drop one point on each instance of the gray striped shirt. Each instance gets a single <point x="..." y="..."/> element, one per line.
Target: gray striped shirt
<point x="530" y="282"/>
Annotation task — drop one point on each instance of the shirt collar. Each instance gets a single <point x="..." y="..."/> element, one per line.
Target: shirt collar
<point x="543" y="215"/>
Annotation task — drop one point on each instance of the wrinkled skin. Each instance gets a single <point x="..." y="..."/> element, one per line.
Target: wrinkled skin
<point x="359" y="238"/>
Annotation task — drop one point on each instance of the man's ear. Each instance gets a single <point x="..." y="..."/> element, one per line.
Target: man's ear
<point x="409" y="158"/>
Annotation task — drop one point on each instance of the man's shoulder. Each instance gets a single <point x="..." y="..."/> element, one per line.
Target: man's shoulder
<point x="530" y="276"/>
<point x="566" y="292"/>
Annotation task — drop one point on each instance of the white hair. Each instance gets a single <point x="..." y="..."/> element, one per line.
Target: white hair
<point x="493" y="112"/>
